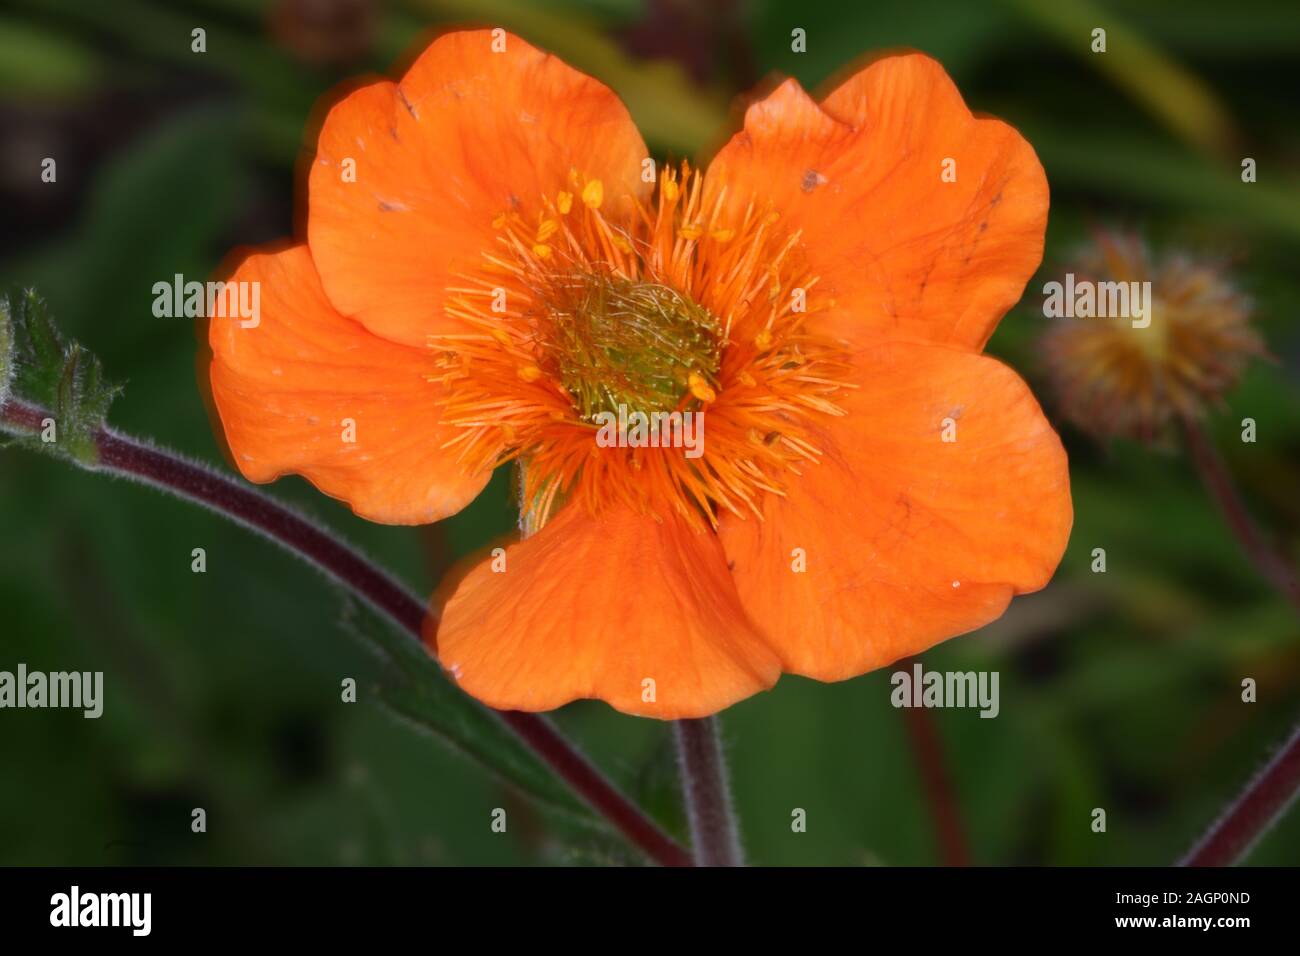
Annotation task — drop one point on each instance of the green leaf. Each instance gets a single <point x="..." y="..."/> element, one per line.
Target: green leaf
<point x="414" y="689"/>
<point x="1169" y="91"/>
<point x="36" y="61"/>
<point x="40" y="365"/>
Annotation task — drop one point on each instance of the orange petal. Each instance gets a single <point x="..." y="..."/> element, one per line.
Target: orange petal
<point x="907" y="539"/>
<point x="466" y="135"/>
<point x="292" y="389"/>
<point x="596" y="607"/>
<point x="901" y="252"/>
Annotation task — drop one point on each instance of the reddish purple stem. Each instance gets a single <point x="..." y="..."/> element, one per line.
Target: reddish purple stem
<point x="1218" y="482"/>
<point x="1267" y="797"/>
<point x="927" y="750"/>
<point x="703" y="769"/>
<point x="1251" y="815"/>
<point x="126" y="456"/>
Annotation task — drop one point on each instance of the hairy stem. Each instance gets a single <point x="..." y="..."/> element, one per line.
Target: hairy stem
<point x="703" y="769"/>
<point x="1218" y="482"/>
<point x="1267" y="797"/>
<point x="1264" y="801"/>
<point x="169" y="472"/>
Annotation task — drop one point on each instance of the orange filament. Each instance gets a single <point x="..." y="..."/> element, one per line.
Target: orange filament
<point x="689" y="313"/>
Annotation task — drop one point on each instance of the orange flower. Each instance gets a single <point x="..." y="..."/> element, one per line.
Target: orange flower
<point x="490" y="274"/>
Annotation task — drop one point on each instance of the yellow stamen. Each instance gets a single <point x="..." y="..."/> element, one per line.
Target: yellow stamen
<point x="528" y="381"/>
<point x="700" y="387"/>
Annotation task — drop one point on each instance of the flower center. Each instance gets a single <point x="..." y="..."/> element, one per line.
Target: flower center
<point x="618" y="344"/>
<point x="589" y="306"/>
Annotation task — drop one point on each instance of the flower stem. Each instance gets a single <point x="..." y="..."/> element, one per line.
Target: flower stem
<point x="927" y="750"/>
<point x="1218" y="482"/>
<point x="169" y="472"/>
<point x="714" y="837"/>
<point x="1264" y="801"/>
<point x="1267" y="797"/>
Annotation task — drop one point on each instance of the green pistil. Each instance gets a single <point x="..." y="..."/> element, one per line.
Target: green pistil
<point x="618" y="342"/>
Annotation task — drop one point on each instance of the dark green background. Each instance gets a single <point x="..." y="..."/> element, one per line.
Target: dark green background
<point x="1118" y="690"/>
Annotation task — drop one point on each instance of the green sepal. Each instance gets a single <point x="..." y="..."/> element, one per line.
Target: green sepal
<point x="41" y="366"/>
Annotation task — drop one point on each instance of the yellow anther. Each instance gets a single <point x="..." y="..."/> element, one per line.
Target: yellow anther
<point x="530" y="373"/>
<point x="564" y="202"/>
<point x="723" y="235"/>
<point x="502" y="336"/>
<point x="671" y="192"/>
<point x="541" y="250"/>
<point x="747" y="380"/>
<point x="547" y="229"/>
<point x="593" y="194"/>
<point x="690" y="232"/>
<point x="622" y="245"/>
<point x="500" y="221"/>
<point x="763" y="340"/>
<point x="700" y="387"/>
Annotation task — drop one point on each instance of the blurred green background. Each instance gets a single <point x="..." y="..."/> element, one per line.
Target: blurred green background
<point x="1118" y="690"/>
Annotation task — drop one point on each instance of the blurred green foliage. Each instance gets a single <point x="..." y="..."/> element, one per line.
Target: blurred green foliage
<point x="1119" y="690"/>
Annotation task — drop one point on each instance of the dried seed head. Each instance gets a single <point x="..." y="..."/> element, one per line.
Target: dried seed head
<point x="1116" y="376"/>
